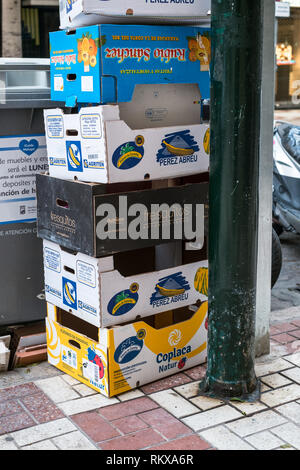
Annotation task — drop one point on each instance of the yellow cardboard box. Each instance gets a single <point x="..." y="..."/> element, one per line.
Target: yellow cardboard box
<point x="119" y="359"/>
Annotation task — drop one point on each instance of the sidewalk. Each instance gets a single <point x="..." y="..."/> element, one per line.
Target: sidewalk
<point x="41" y="408"/>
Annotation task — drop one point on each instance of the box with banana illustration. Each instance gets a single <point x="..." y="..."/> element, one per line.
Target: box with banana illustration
<point x="119" y="359"/>
<point x="120" y="288"/>
<point x="102" y="64"/>
<point x="89" y="12"/>
<point x="107" y="144"/>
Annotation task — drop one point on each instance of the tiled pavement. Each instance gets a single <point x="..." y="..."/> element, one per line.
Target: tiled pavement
<point x="45" y="409"/>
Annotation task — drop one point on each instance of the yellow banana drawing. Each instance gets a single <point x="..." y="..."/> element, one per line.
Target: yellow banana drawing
<point x="169" y="292"/>
<point x="178" y="151"/>
<point x="73" y="156"/>
<point x="201" y="281"/>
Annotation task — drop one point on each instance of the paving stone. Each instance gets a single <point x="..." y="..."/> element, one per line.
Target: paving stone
<point x="290" y="433"/>
<point x="57" y="389"/>
<point x="129" y="424"/>
<point x="128" y="408"/>
<point x="248" y="408"/>
<point x="254" y="424"/>
<point x="86" y="404"/>
<point x="210" y="418"/>
<point x="19" y="391"/>
<point x="264" y="441"/>
<point x="206" y="403"/>
<point x="188" y="390"/>
<point x="196" y="373"/>
<point x="96" y="427"/>
<point x="292" y="348"/>
<point x="296" y="333"/>
<point x="10" y="379"/>
<point x="164" y="384"/>
<point x="70" y="380"/>
<point x="15" y="422"/>
<point x="7" y="443"/>
<point x="37" y="371"/>
<point x="290" y="411"/>
<point x="294" y="359"/>
<point x="283" y="338"/>
<point x="10" y="407"/>
<point x="283" y="327"/>
<point x="165" y="423"/>
<point x="130" y="395"/>
<point x="281" y="395"/>
<point x="84" y="390"/>
<point x="293" y="374"/>
<point x="274" y="331"/>
<point x="285" y="447"/>
<point x="139" y="440"/>
<point x="264" y="388"/>
<point x="275" y="380"/>
<point x="223" y="439"/>
<point x="296" y="322"/>
<point x="174" y="403"/>
<point x="43" y="445"/>
<point x="266" y="368"/>
<point x="192" y="442"/>
<point x="42" y="432"/>
<point x="41" y="408"/>
<point x="73" y="441"/>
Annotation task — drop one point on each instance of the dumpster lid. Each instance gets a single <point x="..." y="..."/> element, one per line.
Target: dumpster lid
<point x="25" y="83"/>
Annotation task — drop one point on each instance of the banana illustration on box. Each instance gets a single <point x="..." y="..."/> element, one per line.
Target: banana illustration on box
<point x="201" y="281"/>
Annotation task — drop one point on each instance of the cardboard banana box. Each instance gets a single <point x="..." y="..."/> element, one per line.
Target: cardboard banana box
<point x="119" y="359"/>
<point x="74" y="13"/>
<point x="102" y="64"/>
<point x="97" y="145"/>
<point x="100" y="220"/>
<point x="96" y="290"/>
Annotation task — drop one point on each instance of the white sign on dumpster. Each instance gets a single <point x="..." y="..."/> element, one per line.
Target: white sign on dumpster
<point x="282" y="9"/>
<point x="21" y="157"/>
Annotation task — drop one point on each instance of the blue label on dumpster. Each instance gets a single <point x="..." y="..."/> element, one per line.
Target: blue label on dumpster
<point x="21" y="157"/>
<point x="104" y="63"/>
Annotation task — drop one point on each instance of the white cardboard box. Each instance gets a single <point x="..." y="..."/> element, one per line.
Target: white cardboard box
<point x="157" y="135"/>
<point x="74" y="13"/>
<point x="93" y="290"/>
<point x="4" y="353"/>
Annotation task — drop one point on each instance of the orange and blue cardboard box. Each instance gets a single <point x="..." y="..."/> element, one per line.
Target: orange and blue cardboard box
<point x="119" y="359"/>
<point x="102" y="64"/>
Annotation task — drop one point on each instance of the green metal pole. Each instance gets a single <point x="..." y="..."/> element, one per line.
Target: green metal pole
<point x="235" y="133"/>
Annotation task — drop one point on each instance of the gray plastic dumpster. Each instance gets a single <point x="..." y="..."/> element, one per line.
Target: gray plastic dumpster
<point x="24" y="92"/>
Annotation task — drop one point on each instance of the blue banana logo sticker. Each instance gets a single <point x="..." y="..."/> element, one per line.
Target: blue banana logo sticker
<point x="69" y="5"/>
<point x="129" y="155"/>
<point x="124" y="301"/>
<point x="69" y="293"/>
<point x="128" y="350"/>
<point x="179" y="145"/>
<point x="74" y="156"/>
<point x="173" y="287"/>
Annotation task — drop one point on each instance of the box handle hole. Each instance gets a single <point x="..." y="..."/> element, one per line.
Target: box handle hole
<point x="71" y="77"/>
<point x="63" y="204"/>
<point x="74" y="344"/>
<point x="69" y="270"/>
<point x="72" y="132"/>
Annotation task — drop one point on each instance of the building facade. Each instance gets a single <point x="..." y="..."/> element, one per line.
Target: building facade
<point x="287" y="93"/>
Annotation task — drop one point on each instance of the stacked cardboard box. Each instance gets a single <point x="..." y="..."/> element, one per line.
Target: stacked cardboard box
<point x="124" y="310"/>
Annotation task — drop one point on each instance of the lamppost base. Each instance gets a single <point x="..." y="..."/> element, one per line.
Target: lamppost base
<point x="223" y="391"/>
